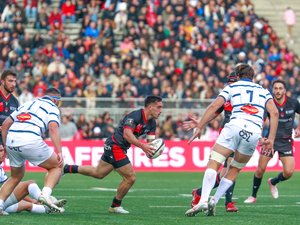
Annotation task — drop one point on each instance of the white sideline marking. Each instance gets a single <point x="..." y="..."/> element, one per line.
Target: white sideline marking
<point x="240" y="206"/>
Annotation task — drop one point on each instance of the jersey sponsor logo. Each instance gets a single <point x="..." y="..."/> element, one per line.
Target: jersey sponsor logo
<point x="138" y="128"/>
<point x="249" y="109"/>
<point x="23" y="117"/>
<point x="245" y="135"/>
<point x="129" y="122"/>
<point x="289" y="111"/>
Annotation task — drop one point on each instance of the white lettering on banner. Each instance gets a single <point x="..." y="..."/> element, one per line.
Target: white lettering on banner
<point x="96" y="155"/>
<point x="67" y="156"/>
<point x="198" y="162"/>
<point x="82" y="154"/>
<point x="138" y="157"/>
<point x="177" y="158"/>
<point x="162" y="160"/>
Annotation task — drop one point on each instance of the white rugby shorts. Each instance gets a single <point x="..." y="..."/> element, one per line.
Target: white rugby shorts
<point x="36" y="153"/>
<point x="238" y="139"/>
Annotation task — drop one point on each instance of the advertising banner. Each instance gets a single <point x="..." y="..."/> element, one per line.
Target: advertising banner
<point x="178" y="156"/>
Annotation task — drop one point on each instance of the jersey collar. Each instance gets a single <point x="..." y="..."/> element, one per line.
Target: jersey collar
<point x="283" y="103"/>
<point x="246" y="79"/>
<point x="5" y="97"/>
<point x="144" y="116"/>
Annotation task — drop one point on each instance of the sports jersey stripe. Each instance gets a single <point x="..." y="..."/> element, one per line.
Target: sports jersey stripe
<point x="244" y="85"/>
<point x="54" y="121"/>
<point x="50" y="103"/>
<point x="27" y="122"/>
<point x="21" y="107"/>
<point x="240" y="111"/>
<point x="263" y="96"/>
<point x="249" y="121"/>
<point x="260" y="106"/>
<point x="31" y="105"/>
<point x="39" y="119"/>
<point x="54" y="114"/>
<point x="24" y="131"/>
<point x="44" y="109"/>
<point x="235" y="95"/>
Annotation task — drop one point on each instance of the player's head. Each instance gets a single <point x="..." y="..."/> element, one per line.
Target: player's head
<point x="55" y="95"/>
<point x="8" y="81"/>
<point x="153" y="104"/>
<point x="232" y="77"/>
<point x="278" y="89"/>
<point x="244" y="70"/>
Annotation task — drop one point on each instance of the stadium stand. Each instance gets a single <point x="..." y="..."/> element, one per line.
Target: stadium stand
<point x="117" y="50"/>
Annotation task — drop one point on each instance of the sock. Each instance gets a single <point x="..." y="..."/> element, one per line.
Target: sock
<point x="34" y="191"/>
<point x="228" y="194"/>
<point x="224" y="185"/>
<point x="10" y="201"/>
<point x="256" y="185"/>
<point x="278" y="179"/>
<point x="199" y="190"/>
<point x="116" y="203"/>
<point x="47" y="191"/>
<point x="38" y="208"/>
<point x="1" y="204"/>
<point x="208" y="183"/>
<point x="70" y="169"/>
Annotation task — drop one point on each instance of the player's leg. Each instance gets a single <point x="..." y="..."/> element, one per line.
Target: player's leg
<point x="288" y="163"/>
<point x="27" y="206"/>
<point x="6" y="193"/>
<point x="258" y="176"/>
<point x="128" y="175"/>
<point x="229" y="204"/>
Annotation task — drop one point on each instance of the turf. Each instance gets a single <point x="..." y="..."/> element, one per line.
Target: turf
<point x="162" y="199"/>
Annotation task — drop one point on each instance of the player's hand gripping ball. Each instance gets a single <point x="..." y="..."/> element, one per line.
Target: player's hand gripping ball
<point x="159" y="146"/>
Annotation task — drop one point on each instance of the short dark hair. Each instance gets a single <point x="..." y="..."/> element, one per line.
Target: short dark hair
<point x="232" y="77"/>
<point x="151" y="99"/>
<point x="279" y="81"/>
<point x="244" y="70"/>
<point x="52" y="91"/>
<point x="6" y="73"/>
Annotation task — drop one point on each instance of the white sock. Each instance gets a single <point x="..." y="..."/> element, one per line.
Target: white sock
<point x="223" y="187"/>
<point x="208" y="183"/>
<point x="34" y="191"/>
<point x="10" y="201"/>
<point x="47" y="191"/>
<point x="38" y="208"/>
<point x="1" y="204"/>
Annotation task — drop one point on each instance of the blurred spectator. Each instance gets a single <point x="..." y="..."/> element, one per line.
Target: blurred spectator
<point x="92" y="30"/>
<point x="26" y="96"/>
<point x="68" y="11"/>
<point x="290" y="21"/>
<point x="55" y="20"/>
<point x="31" y="7"/>
<point x="67" y="129"/>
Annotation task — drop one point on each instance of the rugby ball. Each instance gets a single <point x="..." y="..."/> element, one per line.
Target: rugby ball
<point x="159" y="146"/>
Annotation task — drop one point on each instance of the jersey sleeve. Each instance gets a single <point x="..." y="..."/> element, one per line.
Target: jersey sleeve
<point x="226" y="93"/>
<point x="54" y="116"/>
<point x="297" y="107"/>
<point x="130" y="122"/>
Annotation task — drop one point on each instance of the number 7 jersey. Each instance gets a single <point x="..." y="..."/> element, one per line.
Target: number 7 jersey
<point x="248" y="101"/>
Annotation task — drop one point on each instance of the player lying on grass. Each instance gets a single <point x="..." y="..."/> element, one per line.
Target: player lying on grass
<point x="21" y="192"/>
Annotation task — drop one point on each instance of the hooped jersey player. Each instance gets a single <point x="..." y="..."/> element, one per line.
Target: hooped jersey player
<point x="7" y="106"/>
<point x="136" y="121"/>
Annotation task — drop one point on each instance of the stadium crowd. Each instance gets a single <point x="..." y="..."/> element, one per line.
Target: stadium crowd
<point x="173" y="48"/>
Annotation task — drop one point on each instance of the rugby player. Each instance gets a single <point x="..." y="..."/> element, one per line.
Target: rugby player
<point x="287" y="107"/>
<point x="132" y="126"/>
<point x="240" y="136"/>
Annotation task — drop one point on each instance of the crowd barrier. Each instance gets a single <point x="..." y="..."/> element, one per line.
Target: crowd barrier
<point x="178" y="156"/>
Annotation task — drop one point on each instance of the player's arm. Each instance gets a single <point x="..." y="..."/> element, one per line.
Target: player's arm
<point x="55" y="138"/>
<point x="5" y="127"/>
<point x="212" y="108"/>
<point x="129" y="136"/>
<point x="273" y="112"/>
<point x="297" y="130"/>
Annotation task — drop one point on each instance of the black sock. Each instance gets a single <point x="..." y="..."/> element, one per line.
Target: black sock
<point x="70" y="168"/>
<point x="277" y="179"/>
<point x="229" y="193"/>
<point x="199" y="190"/>
<point x="256" y="185"/>
<point x="116" y="203"/>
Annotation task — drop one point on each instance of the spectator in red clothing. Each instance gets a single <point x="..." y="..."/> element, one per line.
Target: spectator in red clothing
<point x="55" y="20"/>
<point x="30" y="9"/>
<point x="40" y="87"/>
<point x="68" y="11"/>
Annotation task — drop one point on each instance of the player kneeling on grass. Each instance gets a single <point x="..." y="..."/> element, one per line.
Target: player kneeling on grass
<point x="20" y="194"/>
<point x="132" y="126"/>
<point x="240" y="135"/>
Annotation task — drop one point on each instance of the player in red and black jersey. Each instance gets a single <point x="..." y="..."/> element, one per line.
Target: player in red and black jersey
<point x="135" y="124"/>
<point x="287" y="108"/>
<point x="227" y="108"/>
<point x="8" y="102"/>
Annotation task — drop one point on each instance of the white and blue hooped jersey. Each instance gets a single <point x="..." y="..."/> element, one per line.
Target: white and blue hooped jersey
<point x="31" y="120"/>
<point x="248" y="101"/>
<point x="3" y="176"/>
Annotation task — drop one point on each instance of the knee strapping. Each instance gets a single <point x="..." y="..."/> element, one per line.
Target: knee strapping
<point x="237" y="164"/>
<point x="217" y="157"/>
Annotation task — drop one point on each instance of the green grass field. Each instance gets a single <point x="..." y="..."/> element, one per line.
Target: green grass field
<point x="162" y="198"/>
